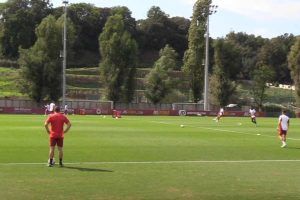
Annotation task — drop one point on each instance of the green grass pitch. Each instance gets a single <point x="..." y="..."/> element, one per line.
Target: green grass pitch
<point x="136" y="157"/>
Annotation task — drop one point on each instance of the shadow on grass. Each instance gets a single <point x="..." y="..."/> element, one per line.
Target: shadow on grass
<point x="85" y="169"/>
<point x="297" y="148"/>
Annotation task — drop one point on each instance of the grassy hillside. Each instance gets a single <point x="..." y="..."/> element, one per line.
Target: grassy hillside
<point x="8" y="82"/>
<point x="274" y="95"/>
<point x="85" y="83"/>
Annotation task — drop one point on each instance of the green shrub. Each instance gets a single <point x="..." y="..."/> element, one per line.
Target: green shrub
<point x="274" y="110"/>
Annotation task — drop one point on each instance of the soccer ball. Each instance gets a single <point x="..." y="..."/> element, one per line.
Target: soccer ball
<point x="53" y="161"/>
<point x="181" y="125"/>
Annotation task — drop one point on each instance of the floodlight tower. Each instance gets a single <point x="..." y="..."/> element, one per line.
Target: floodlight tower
<point x="212" y="10"/>
<point x="65" y="2"/>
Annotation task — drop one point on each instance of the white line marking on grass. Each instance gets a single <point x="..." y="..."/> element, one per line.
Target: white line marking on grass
<point x="223" y="130"/>
<point x="158" y="162"/>
<point x="188" y="161"/>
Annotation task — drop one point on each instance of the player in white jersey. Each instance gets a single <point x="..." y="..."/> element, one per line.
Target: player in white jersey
<point x="252" y="113"/>
<point x="283" y="126"/>
<point x="51" y="109"/>
<point x="220" y="114"/>
<point x="66" y="109"/>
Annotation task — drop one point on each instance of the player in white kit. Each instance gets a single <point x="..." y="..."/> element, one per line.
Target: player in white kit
<point x="283" y="126"/>
<point x="252" y="113"/>
<point x="51" y="107"/>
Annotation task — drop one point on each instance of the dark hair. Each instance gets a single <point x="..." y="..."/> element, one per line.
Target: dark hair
<point x="57" y="109"/>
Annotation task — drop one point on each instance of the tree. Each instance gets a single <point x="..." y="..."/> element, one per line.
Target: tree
<point x="154" y="29"/>
<point x="41" y="64"/>
<point x="19" y="20"/>
<point x="117" y="69"/>
<point x="222" y="88"/>
<point x="294" y="66"/>
<point x="194" y="56"/>
<point x="89" y="22"/>
<point x="247" y="46"/>
<point x="158" y="30"/>
<point x="260" y="77"/>
<point x="274" y="54"/>
<point x="129" y="22"/>
<point x="158" y="82"/>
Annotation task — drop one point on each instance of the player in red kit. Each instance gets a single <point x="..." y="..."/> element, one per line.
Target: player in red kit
<point x="56" y="133"/>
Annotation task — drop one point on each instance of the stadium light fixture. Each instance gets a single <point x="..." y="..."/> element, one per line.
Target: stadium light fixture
<point x="64" y="54"/>
<point x="212" y="10"/>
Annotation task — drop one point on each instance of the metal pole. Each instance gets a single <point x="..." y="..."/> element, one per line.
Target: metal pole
<point x="64" y="56"/>
<point x="206" y="104"/>
<point x="212" y="10"/>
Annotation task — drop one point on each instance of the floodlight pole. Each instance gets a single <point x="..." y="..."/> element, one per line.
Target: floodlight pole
<point x="64" y="55"/>
<point x="206" y="66"/>
<point x="212" y="10"/>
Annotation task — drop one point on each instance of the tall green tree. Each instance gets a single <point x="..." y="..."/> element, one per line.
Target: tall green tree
<point x="260" y="77"/>
<point x="89" y="22"/>
<point x="158" y="82"/>
<point x="19" y="20"/>
<point x="158" y="30"/>
<point x="129" y="21"/>
<point x="118" y="67"/>
<point x="222" y="88"/>
<point x="41" y="67"/>
<point x="154" y="29"/>
<point x="274" y="54"/>
<point x="194" y="56"/>
<point x="85" y="18"/>
<point x="247" y="46"/>
<point x="294" y="66"/>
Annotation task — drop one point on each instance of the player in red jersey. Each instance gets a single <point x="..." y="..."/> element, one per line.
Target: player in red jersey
<point x="56" y="133"/>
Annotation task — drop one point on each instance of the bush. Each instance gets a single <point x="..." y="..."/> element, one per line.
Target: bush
<point x="274" y="110"/>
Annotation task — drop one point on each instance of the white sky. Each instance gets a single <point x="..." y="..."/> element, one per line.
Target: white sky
<point x="268" y="18"/>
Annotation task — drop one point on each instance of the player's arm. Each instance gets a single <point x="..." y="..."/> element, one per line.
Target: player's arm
<point x="47" y="127"/>
<point x="279" y="124"/>
<point x="68" y="127"/>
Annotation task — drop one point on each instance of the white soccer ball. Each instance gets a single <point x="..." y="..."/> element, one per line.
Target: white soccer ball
<point x="117" y="117"/>
<point x="240" y="124"/>
<point x="181" y="125"/>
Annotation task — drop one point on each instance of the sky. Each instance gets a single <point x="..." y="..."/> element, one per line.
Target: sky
<point x="266" y="18"/>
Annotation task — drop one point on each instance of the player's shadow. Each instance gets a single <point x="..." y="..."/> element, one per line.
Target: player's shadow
<point x="297" y="148"/>
<point x="85" y="169"/>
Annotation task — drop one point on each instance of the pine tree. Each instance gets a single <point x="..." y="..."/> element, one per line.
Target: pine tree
<point x="118" y="67"/>
<point x="158" y="82"/>
<point x="221" y="87"/>
<point x="194" y="56"/>
<point x="41" y="64"/>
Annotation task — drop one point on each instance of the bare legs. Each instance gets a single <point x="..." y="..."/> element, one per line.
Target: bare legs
<point x="60" y="154"/>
